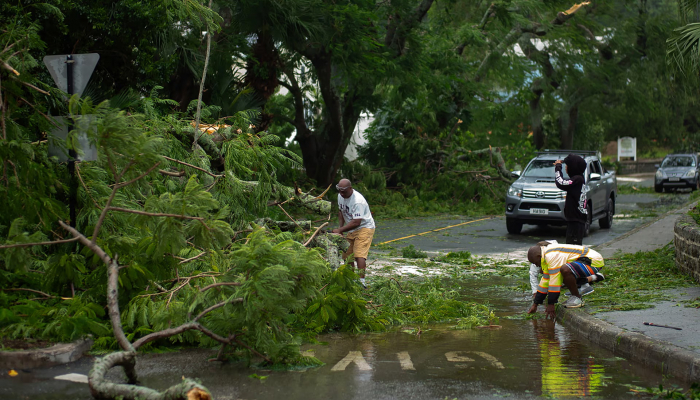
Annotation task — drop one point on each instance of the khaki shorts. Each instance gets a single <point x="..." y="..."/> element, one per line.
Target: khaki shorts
<point x="360" y="240"/>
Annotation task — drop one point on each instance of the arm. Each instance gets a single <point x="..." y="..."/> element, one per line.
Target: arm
<point x="559" y="180"/>
<point x="349" y="226"/>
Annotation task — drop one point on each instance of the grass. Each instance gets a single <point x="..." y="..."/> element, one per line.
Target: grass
<point x="637" y="281"/>
<point x="634" y="189"/>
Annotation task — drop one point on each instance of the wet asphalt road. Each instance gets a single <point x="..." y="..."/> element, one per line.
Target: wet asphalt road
<point x="488" y="235"/>
<point x="523" y="359"/>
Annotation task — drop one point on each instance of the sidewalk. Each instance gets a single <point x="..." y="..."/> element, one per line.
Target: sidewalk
<point x="673" y="352"/>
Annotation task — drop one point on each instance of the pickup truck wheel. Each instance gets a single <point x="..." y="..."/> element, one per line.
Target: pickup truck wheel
<point x="607" y="220"/>
<point x="514" y="226"/>
<point x="589" y="220"/>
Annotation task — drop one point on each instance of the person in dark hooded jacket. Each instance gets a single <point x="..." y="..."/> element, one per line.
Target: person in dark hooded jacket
<point x="575" y="210"/>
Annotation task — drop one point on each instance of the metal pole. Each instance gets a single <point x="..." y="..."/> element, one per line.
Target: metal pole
<point x="71" y="153"/>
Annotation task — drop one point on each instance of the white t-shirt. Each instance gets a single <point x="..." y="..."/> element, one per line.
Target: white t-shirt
<point x="355" y="207"/>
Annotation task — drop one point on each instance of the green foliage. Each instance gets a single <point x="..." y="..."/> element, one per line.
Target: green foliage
<point x="428" y="300"/>
<point x="676" y="393"/>
<point x="647" y="272"/>
<point x="457" y="257"/>
<point x="56" y="320"/>
<point x="411" y="251"/>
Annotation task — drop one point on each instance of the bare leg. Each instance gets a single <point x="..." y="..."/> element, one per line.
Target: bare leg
<point x="361" y="265"/>
<point x="570" y="281"/>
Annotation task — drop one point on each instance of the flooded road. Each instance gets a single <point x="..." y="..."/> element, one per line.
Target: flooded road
<point x="519" y="359"/>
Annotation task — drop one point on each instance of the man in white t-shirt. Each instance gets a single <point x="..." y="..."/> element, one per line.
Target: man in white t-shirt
<point x="356" y="220"/>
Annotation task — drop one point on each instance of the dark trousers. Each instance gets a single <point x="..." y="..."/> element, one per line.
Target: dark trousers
<point x="574" y="232"/>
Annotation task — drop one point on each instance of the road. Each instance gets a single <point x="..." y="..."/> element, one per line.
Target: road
<point x="488" y="235"/>
<point x="523" y="359"/>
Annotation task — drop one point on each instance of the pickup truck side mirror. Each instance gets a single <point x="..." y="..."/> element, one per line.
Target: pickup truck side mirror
<point x="595" y="177"/>
<point x="656" y="165"/>
<point x="515" y="174"/>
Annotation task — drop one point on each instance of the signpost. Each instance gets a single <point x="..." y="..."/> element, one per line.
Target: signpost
<point x="626" y="147"/>
<point x="71" y="72"/>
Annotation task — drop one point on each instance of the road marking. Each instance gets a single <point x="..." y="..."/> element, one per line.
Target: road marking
<point x="493" y="360"/>
<point x="434" y="230"/>
<point x="73" y="377"/>
<point x="405" y="360"/>
<point x="455" y="356"/>
<point x="353" y="356"/>
<point x="458" y="356"/>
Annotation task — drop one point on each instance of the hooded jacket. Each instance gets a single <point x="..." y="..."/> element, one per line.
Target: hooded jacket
<point x="575" y="188"/>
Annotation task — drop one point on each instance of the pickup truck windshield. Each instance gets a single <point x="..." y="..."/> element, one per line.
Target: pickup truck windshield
<point x="678" y="162"/>
<point x="543" y="169"/>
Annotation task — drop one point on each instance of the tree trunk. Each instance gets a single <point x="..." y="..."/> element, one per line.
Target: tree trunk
<point x="536" y="117"/>
<point x="262" y="71"/>
<point x="568" y="120"/>
<point x="101" y="388"/>
<point x="323" y="151"/>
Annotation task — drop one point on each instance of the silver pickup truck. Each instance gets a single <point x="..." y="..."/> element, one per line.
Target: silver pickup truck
<point x="535" y="199"/>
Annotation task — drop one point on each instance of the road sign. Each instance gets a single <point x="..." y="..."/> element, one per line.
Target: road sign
<point x="626" y="147"/>
<point x="58" y="135"/>
<point x="83" y="65"/>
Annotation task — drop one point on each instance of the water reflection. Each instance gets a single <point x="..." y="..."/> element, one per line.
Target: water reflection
<point x="565" y="372"/>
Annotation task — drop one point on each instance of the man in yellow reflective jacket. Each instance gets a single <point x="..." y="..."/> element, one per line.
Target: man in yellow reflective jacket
<point x="566" y="264"/>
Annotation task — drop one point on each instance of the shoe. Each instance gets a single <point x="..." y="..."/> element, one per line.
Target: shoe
<point x="599" y="277"/>
<point x="573" y="302"/>
<point x="362" y="282"/>
<point x="586" y="289"/>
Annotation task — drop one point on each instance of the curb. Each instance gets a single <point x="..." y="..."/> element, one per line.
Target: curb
<point x="664" y="357"/>
<point x="61" y="353"/>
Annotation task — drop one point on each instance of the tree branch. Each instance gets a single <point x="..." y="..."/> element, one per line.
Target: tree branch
<point x="213" y="285"/>
<point x="169" y="173"/>
<point x="193" y="258"/>
<point x="126" y="210"/>
<point x="192" y="166"/>
<point x="215" y="306"/>
<point x="508" y="40"/>
<point x="314" y="235"/>
<point x="201" y="85"/>
<point x="87" y="243"/>
<point x="9" y="246"/>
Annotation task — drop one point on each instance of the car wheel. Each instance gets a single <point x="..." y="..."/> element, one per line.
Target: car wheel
<point x="606" y="222"/>
<point x="514" y="226"/>
<point x="658" y="188"/>
<point x="589" y="220"/>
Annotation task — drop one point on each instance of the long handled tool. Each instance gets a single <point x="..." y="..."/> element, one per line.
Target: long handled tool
<point x="662" y="326"/>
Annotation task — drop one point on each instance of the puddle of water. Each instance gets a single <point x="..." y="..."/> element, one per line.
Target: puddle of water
<point x="521" y="359"/>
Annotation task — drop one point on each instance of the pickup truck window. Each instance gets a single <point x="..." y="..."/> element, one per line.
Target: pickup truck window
<point x="543" y="169"/>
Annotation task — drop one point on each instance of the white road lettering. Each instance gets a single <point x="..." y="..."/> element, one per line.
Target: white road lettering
<point x="353" y="356"/>
<point x="493" y="360"/>
<point x="405" y="360"/>
<point x="459" y="356"/>
<point x="456" y="356"/>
